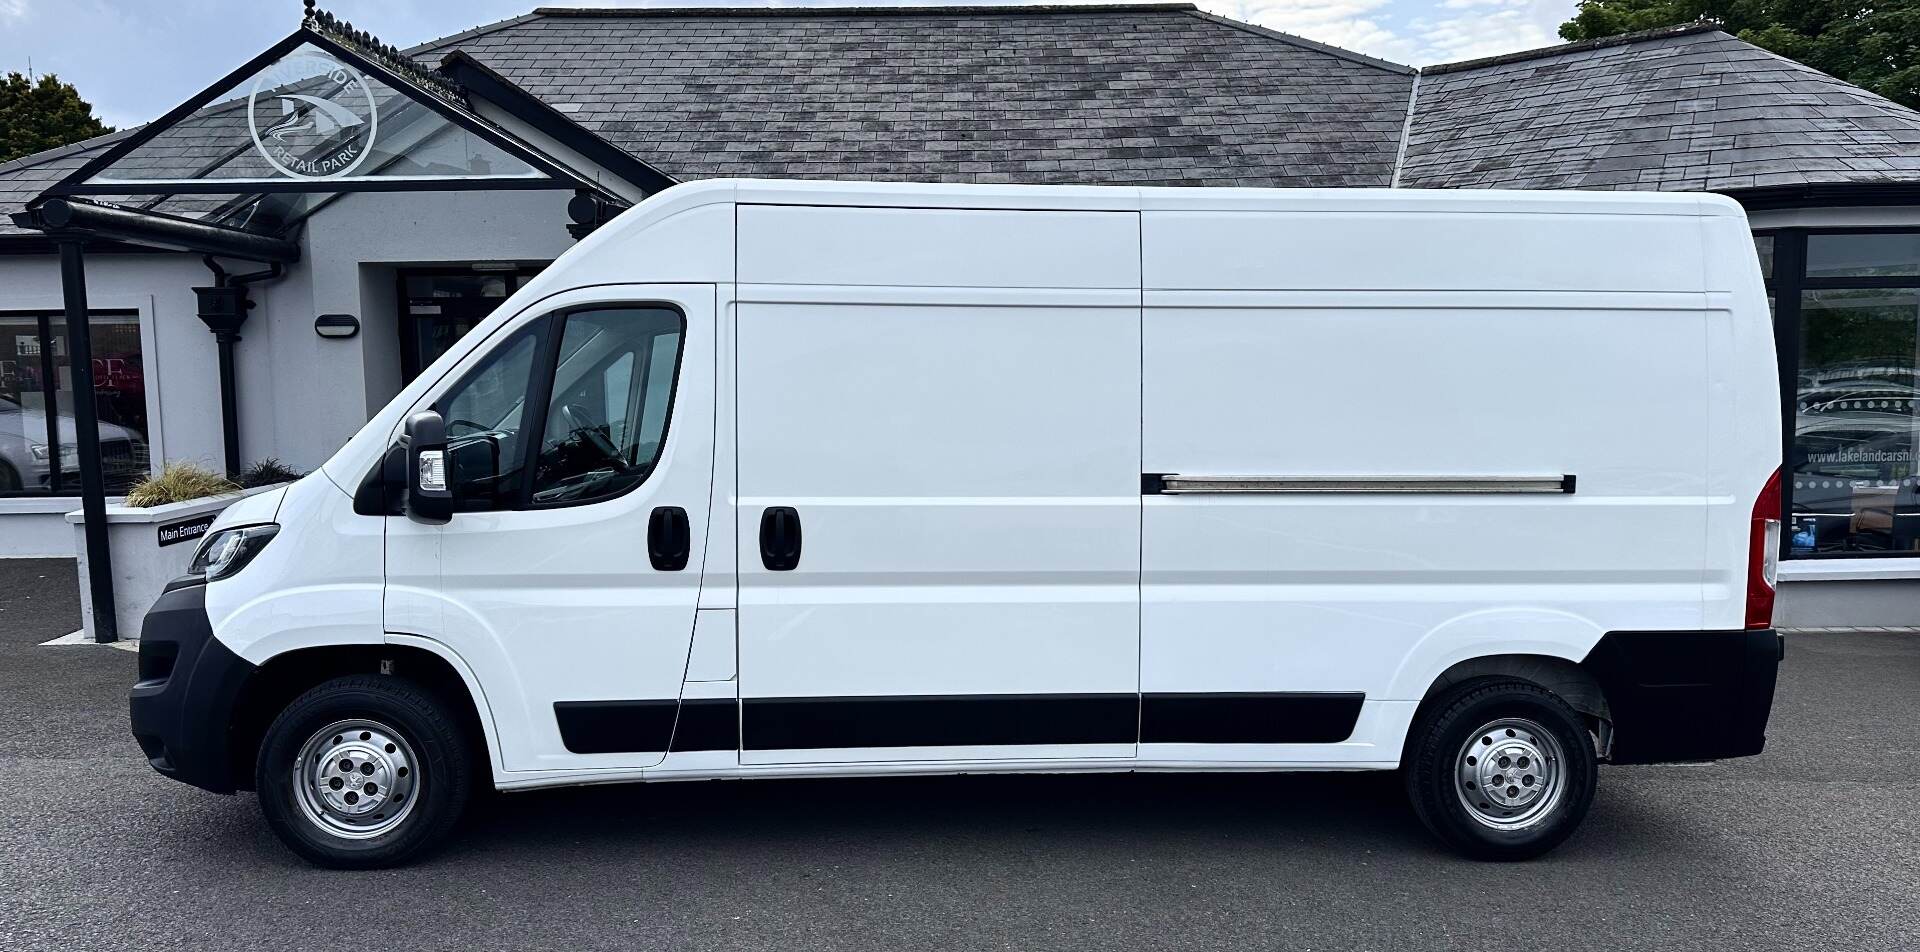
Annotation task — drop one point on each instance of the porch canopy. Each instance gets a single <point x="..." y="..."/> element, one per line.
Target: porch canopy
<point x="232" y="173"/>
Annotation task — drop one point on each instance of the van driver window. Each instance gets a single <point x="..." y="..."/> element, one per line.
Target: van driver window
<point x="484" y="421"/>
<point x="612" y="388"/>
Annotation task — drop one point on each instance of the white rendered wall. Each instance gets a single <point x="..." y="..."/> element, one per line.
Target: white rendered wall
<point x="301" y="396"/>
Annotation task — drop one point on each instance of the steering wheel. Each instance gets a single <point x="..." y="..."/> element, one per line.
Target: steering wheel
<point x="580" y="423"/>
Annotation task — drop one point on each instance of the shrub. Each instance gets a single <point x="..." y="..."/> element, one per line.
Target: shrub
<point x="179" y="482"/>
<point x="267" y="472"/>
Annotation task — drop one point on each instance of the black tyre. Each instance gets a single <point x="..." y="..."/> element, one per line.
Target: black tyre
<point x="364" y="772"/>
<point x="1500" y="769"/>
<point x="9" y="480"/>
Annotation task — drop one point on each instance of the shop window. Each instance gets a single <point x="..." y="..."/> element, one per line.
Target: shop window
<point x="38" y="455"/>
<point x="1854" y="485"/>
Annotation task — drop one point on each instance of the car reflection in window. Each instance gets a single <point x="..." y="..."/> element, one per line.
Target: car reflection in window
<point x="1855" y="487"/>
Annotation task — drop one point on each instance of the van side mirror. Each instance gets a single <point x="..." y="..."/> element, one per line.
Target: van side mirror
<point x="429" y="489"/>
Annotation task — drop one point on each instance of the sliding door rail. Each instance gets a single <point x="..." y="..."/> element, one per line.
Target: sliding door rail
<point x="1176" y="484"/>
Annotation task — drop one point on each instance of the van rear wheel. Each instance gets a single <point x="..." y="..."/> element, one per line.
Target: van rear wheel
<point x="363" y="772"/>
<point x="1500" y="769"/>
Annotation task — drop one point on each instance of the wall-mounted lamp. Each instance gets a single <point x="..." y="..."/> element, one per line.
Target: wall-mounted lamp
<point x="336" y="326"/>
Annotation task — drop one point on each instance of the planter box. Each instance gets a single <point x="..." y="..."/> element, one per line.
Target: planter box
<point x="151" y="547"/>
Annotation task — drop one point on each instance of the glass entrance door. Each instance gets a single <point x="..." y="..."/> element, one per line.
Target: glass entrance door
<point x="440" y="305"/>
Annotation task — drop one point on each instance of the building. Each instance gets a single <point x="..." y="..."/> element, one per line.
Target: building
<point x="392" y="198"/>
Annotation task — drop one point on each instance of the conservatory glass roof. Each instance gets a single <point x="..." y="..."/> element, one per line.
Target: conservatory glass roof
<point x="323" y="112"/>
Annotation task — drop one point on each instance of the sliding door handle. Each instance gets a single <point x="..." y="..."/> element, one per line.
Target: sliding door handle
<point x="780" y="538"/>
<point x="669" y="538"/>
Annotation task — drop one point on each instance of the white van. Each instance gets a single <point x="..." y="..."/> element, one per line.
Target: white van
<point x="778" y="479"/>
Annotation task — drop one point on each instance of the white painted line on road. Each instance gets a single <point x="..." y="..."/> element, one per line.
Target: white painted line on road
<point x="1857" y="629"/>
<point x="80" y="638"/>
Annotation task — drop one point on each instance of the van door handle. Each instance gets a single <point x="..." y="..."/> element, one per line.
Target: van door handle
<point x="780" y="538"/>
<point x="669" y="538"/>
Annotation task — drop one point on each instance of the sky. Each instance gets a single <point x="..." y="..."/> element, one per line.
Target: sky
<point x="135" y="59"/>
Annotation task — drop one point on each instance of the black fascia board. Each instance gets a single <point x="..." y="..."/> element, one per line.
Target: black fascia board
<point x="76" y="217"/>
<point x="480" y="80"/>
<point x="1826" y="195"/>
<point x="40" y="244"/>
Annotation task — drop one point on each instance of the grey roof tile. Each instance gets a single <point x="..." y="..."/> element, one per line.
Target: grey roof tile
<point x="1134" y="95"/>
<point x="23" y="179"/>
<point x="1700" y="109"/>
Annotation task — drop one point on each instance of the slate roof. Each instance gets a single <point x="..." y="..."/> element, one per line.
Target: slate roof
<point x="1159" y="94"/>
<point x="1144" y="94"/>
<point x="23" y="179"/>
<point x="1689" y="108"/>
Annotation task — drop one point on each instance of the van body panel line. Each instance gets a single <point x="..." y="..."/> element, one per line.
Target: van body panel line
<point x="1681" y="696"/>
<point x="475" y="689"/>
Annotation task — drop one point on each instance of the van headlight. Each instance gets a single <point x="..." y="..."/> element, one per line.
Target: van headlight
<point x="229" y="550"/>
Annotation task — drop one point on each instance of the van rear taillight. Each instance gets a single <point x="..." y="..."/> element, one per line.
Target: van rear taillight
<point x="1763" y="555"/>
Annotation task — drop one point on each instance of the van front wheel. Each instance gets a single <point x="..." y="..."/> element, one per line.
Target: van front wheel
<point x="363" y="772"/>
<point x="1500" y="769"/>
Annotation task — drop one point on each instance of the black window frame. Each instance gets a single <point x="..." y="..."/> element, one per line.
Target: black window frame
<point x="1787" y="283"/>
<point x="539" y="393"/>
<point x="45" y="328"/>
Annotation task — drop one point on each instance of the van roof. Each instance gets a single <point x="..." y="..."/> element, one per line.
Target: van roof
<point x="1130" y="198"/>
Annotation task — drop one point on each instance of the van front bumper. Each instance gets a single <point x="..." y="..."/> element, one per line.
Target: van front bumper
<point x="182" y="707"/>
<point x="1681" y="696"/>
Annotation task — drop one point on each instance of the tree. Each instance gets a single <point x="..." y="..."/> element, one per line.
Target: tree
<point x="36" y="116"/>
<point x="1872" y="45"/>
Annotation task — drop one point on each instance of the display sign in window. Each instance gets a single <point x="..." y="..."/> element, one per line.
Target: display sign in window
<point x="1855" y="487"/>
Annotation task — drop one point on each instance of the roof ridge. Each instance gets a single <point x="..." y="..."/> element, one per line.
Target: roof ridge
<point x="483" y="29"/>
<point x="1621" y="39"/>
<point x="1302" y="41"/>
<point x="778" y="11"/>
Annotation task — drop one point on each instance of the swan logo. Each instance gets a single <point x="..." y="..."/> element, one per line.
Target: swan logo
<point x="312" y="117"/>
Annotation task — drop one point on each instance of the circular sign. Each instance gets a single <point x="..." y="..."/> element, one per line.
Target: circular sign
<point x="312" y="117"/>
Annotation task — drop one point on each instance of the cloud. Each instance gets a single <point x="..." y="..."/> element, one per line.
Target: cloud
<point x="1494" y="27"/>
<point x="1445" y="31"/>
<point x="11" y="10"/>
<point x="1351" y="24"/>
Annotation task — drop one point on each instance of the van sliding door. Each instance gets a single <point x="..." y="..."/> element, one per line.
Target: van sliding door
<point x="939" y="511"/>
